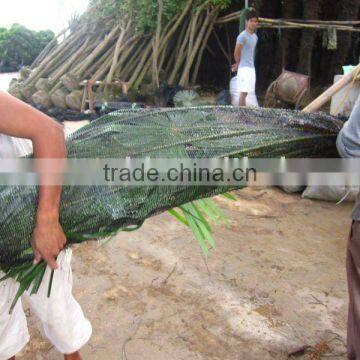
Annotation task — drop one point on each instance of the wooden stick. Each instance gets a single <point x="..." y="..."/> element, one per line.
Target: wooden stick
<point x="236" y="15"/>
<point x="141" y="68"/>
<point x="330" y="22"/>
<point x="91" y="96"/>
<point x="96" y="65"/>
<point x="133" y="52"/>
<point x="177" y="23"/>
<point x="315" y="28"/>
<point x="49" y="47"/>
<point x="156" y="42"/>
<point x="98" y="50"/>
<point x="181" y="55"/>
<point x="184" y="80"/>
<point x="83" y="102"/>
<point x="306" y="26"/>
<point x="201" y="53"/>
<point x="53" y="58"/>
<point x="117" y="52"/>
<point x="221" y="47"/>
<point x="329" y="93"/>
<point x="297" y="24"/>
<point x="68" y="63"/>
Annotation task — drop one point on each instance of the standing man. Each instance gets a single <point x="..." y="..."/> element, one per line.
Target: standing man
<point x="61" y="316"/>
<point x="244" y="56"/>
<point x="348" y="144"/>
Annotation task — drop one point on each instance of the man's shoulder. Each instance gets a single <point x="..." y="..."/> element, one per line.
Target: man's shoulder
<point x="242" y="37"/>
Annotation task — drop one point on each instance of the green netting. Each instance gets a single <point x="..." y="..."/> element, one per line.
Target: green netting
<point x="209" y="132"/>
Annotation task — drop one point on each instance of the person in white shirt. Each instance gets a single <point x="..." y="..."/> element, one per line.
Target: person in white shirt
<point x="61" y="316"/>
<point x="244" y="56"/>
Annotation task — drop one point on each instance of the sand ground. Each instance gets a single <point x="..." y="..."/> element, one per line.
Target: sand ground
<point x="275" y="282"/>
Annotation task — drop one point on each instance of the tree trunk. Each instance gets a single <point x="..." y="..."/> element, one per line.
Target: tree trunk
<point x="155" y="44"/>
<point x="346" y="10"/>
<point x="184" y="80"/>
<point x="65" y="67"/>
<point x="311" y="10"/>
<point x="117" y="52"/>
<point x="269" y="51"/>
<point x="99" y="49"/>
<point x="201" y="53"/>
<point x="180" y="56"/>
<point x="289" y="43"/>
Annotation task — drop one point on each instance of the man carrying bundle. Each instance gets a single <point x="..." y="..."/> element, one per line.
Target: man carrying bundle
<point x="348" y="144"/>
<point x="244" y="56"/>
<point x="61" y="316"/>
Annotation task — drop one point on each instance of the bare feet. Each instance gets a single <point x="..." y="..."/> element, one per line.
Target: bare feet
<point x="74" y="356"/>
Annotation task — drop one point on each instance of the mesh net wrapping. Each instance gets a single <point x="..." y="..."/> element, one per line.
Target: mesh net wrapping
<point x="209" y="132"/>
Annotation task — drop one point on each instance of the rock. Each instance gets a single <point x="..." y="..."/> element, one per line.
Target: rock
<point x="25" y="72"/>
<point x="70" y="82"/>
<point x="14" y="89"/>
<point x="55" y="112"/>
<point x="164" y="96"/>
<point x="42" y="98"/>
<point x="145" y="93"/>
<point x="74" y="99"/>
<point x="42" y="84"/>
<point x="58" y="98"/>
<point x="223" y="98"/>
<point x="13" y="82"/>
<point x="27" y="92"/>
<point x="99" y="95"/>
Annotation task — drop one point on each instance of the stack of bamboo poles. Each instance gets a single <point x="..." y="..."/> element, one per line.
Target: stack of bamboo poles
<point x="109" y="49"/>
<point x="95" y="51"/>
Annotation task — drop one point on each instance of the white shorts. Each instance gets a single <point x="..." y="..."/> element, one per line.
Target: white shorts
<point x="62" y="318"/>
<point x="246" y="77"/>
<point x="251" y="99"/>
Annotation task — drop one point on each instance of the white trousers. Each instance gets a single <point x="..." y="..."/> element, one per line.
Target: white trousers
<point x="62" y="318"/>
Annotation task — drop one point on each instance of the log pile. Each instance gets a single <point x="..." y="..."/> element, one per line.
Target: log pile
<point x="113" y="49"/>
<point x="147" y="43"/>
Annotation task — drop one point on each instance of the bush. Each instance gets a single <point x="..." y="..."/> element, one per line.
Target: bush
<point x="144" y="12"/>
<point x="20" y="46"/>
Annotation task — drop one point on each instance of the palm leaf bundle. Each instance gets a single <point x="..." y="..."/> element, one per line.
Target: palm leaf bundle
<point x="92" y="212"/>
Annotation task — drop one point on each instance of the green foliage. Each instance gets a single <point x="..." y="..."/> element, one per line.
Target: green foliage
<point x="20" y="46"/>
<point x="144" y="12"/>
<point x="223" y="4"/>
<point x="189" y="98"/>
<point x="186" y="98"/>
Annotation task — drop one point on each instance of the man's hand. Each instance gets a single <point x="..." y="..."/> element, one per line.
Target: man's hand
<point x="234" y="67"/>
<point x="21" y="120"/>
<point x="48" y="240"/>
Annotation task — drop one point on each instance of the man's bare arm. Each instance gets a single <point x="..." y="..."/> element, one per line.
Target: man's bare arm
<point x="21" y="120"/>
<point x="237" y="56"/>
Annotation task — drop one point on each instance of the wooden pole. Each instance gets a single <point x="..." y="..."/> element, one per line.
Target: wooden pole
<point x="329" y="93"/>
<point x="297" y="24"/>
